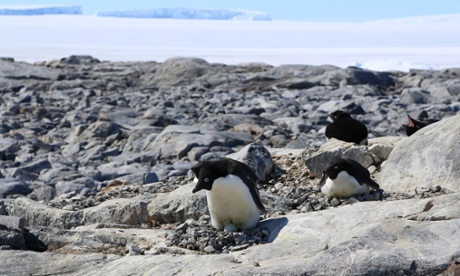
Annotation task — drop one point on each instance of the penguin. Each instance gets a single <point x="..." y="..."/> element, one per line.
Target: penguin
<point x="347" y="129"/>
<point x="231" y="190"/>
<point x="414" y="125"/>
<point x="345" y="177"/>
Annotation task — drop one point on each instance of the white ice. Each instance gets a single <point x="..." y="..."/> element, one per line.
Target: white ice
<point x="426" y="43"/>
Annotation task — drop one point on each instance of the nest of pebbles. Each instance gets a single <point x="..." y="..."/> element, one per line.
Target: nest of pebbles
<point x="201" y="236"/>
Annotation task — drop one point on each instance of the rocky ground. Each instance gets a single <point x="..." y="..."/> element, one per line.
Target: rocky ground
<point x="78" y="133"/>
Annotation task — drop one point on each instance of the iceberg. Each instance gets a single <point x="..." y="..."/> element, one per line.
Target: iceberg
<point x="39" y="10"/>
<point x="185" y="13"/>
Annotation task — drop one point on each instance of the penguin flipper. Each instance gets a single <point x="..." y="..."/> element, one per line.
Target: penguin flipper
<point x="249" y="178"/>
<point x="323" y="180"/>
<point x="374" y="185"/>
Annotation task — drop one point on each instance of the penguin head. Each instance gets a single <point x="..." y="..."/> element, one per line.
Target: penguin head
<point x="207" y="172"/>
<point x="413" y="126"/>
<point x="338" y="115"/>
<point x="335" y="167"/>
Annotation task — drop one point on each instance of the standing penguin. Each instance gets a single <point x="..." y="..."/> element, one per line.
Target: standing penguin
<point x="345" y="178"/>
<point x="231" y="189"/>
<point x="345" y="128"/>
<point x="414" y="125"/>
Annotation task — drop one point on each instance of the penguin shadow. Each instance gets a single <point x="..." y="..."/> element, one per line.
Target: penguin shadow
<point x="273" y="226"/>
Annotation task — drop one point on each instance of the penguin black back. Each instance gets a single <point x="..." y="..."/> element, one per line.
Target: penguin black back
<point x="345" y="128"/>
<point x="353" y="168"/>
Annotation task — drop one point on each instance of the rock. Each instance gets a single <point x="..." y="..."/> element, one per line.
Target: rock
<point x="12" y="232"/>
<point x="41" y="191"/>
<point x="132" y="212"/>
<point x="178" y="206"/>
<point x="176" y="141"/>
<point x="10" y="186"/>
<point x="258" y="158"/>
<point x="179" y="71"/>
<point x="363" y="76"/>
<point x="36" y="214"/>
<point x="32" y="170"/>
<point x="80" y="59"/>
<point x="415" y="96"/>
<point x="76" y="185"/>
<point x="24" y="71"/>
<point x="319" y="160"/>
<point x="425" y="159"/>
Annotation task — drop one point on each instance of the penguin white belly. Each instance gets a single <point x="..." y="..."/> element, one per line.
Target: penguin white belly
<point x="230" y="202"/>
<point x="343" y="186"/>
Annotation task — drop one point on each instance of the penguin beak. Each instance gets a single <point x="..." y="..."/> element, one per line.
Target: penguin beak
<point x="411" y="122"/>
<point x="198" y="187"/>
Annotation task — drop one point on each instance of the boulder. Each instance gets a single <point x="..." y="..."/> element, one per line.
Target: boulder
<point x="37" y="214"/>
<point x="317" y="161"/>
<point x="12" y="232"/>
<point x="427" y="159"/>
<point x="175" y="141"/>
<point x="178" y="206"/>
<point x="178" y="71"/>
<point x="9" y="186"/>
<point x="258" y="158"/>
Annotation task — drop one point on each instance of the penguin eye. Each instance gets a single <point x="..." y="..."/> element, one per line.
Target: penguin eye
<point x="336" y="167"/>
<point x="206" y="179"/>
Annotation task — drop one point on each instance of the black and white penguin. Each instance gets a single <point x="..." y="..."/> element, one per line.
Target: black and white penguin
<point x="345" y="128"/>
<point x="231" y="189"/>
<point x="345" y="178"/>
<point x="414" y="125"/>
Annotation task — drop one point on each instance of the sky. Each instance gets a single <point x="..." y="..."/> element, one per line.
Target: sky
<point x="310" y="10"/>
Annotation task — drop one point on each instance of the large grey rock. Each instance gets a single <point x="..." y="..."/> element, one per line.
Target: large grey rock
<point x="32" y="170"/>
<point x="133" y="212"/>
<point x="176" y="141"/>
<point x="178" y="206"/>
<point x="122" y="211"/>
<point x="175" y="71"/>
<point x="37" y="214"/>
<point x="10" y="186"/>
<point x="25" y="71"/>
<point x="429" y="158"/>
<point x="319" y="160"/>
<point x="75" y="185"/>
<point x="8" y="148"/>
<point x="415" y="96"/>
<point x="12" y="232"/>
<point x="257" y="157"/>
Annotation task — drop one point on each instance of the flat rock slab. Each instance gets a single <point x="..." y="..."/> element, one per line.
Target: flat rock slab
<point x="416" y="236"/>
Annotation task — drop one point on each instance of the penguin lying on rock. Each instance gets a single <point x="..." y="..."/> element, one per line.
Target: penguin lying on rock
<point x="346" y="178"/>
<point x="231" y="189"/>
<point x="347" y="129"/>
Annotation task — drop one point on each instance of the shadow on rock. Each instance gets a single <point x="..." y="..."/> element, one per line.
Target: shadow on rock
<point x="274" y="226"/>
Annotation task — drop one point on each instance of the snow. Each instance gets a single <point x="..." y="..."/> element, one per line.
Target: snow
<point x="185" y="13"/>
<point x="423" y="43"/>
<point x="39" y="10"/>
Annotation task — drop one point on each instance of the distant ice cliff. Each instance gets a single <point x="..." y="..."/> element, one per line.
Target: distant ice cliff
<point x="39" y="10"/>
<point x="184" y="13"/>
